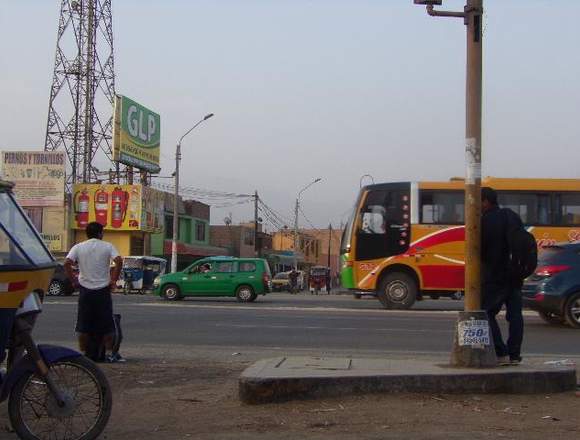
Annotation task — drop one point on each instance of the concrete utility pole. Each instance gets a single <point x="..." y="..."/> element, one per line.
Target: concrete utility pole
<point x="256" y="246"/>
<point x="176" y="195"/>
<point x="472" y="341"/>
<point x="296" y="208"/>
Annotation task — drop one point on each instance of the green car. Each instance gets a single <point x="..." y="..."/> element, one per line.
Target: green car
<point x="244" y="278"/>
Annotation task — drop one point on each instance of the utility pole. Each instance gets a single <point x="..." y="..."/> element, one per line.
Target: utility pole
<point x="296" y="241"/>
<point x="472" y="340"/>
<point x="256" y="246"/>
<point x="329" y="240"/>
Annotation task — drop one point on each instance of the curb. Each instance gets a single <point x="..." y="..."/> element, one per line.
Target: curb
<point x="261" y="383"/>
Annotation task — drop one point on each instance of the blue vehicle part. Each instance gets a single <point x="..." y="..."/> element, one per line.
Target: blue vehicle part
<point x="50" y="353"/>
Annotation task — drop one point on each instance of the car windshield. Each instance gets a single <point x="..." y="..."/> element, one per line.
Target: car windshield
<point x="281" y="276"/>
<point x="549" y="253"/>
<point x="19" y="241"/>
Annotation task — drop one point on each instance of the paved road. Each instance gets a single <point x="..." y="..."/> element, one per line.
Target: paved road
<point x="291" y="323"/>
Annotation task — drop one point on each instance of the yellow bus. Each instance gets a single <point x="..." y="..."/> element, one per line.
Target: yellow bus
<point x="405" y="240"/>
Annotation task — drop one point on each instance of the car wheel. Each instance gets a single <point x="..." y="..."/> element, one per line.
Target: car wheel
<point x="171" y="292"/>
<point x="572" y="310"/>
<point x="245" y="294"/>
<point x="397" y="290"/>
<point x="56" y="288"/>
<point x="551" y="318"/>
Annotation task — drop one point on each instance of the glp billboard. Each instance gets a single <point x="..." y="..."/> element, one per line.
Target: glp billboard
<point x="136" y="135"/>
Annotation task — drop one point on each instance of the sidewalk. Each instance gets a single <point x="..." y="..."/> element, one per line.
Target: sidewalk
<point x="290" y="378"/>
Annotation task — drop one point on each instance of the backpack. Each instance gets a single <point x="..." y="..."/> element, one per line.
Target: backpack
<point x="522" y="247"/>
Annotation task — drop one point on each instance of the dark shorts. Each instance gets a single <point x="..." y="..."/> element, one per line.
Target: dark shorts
<point x="95" y="311"/>
<point x="6" y="322"/>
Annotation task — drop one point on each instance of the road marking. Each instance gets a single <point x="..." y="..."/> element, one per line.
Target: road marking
<point x="236" y="306"/>
<point x="357" y="329"/>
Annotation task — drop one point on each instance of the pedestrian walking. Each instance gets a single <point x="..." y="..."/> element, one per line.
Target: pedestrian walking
<point x="95" y="281"/>
<point x="501" y="283"/>
<point x="293" y="277"/>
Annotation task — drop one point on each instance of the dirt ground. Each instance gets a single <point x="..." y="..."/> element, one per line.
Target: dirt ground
<point x="162" y="398"/>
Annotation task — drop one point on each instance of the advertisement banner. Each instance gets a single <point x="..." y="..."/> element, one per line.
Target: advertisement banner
<point x="153" y="210"/>
<point x="116" y="207"/>
<point x="136" y="135"/>
<point x="38" y="176"/>
<point x="53" y="229"/>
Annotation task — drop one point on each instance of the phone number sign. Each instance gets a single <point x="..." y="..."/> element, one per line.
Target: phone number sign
<point x="473" y="332"/>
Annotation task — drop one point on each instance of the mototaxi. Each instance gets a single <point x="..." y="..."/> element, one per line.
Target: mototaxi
<point x="317" y="279"/>
<point x="139" y="272"/>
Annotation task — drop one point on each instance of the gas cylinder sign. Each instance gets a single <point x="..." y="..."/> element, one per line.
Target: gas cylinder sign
<point x="473" y="332"/>
<point x="116" y="207"/>
<point x="136" y="135"/>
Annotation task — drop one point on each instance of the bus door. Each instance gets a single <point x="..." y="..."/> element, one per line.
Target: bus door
<point x="384" y="226"/>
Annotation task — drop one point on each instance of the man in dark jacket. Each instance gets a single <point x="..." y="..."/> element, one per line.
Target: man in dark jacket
<point x="499" y="285"/>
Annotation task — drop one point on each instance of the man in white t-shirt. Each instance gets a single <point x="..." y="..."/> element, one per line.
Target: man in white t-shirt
<point x="95" y="280"/>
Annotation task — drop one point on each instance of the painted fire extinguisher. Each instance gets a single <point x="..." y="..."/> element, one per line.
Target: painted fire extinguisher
<point x="81" y="203"/>
<point x="134" y="208"/>
<point x="119" y="202"/>
<point x="101" y="206"/>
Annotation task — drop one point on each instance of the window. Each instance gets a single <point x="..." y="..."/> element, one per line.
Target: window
<point x="442" y="207"/>
<point x="534" y="209"/>
<point x="568" y="212"/>
<point x="384" y="226"/>
<point x="168" y="226"/>
<point x="248" y="237"/>
<point x="15" y="224"/>
<point x="247" y="266"/>
<point x="200" y="231"/>
<point x="224" y="267"/>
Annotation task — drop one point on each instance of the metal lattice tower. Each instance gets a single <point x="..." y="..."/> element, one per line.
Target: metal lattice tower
<point x="80" y="111"/>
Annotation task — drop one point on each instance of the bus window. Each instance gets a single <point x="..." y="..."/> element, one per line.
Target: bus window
<point x="568" y="209"/>
<point x="442" y="207"/>
<point x="384" y="224"/>
<point x="533" y="209"/>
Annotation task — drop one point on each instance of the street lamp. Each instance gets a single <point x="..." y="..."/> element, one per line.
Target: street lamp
<point x="318" y="179"/>
<point x="471" y="352"/>
<point x="176" y="194"/>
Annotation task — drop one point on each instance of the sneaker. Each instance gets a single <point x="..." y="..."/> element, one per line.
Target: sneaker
<point x="115" y="358"/>
<point x="503" y="361"/>
<point x="515" y="360"/>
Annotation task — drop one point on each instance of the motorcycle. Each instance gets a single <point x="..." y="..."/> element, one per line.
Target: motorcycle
<point x="53" y="392"/>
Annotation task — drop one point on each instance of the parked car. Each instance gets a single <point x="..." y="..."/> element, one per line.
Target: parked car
<point x="60" y="284"/>
<point x="281" y="281"/>
<point x="554" y="289"/>
<point x="243" y="278"/>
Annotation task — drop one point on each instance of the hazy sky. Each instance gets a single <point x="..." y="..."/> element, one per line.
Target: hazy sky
<point x="319" y="88"/>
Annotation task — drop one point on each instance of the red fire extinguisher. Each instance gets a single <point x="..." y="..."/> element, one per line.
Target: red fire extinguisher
<point x="101" y="206"/>
<point x="81" y="203"/>
<point x="119" y="202"/>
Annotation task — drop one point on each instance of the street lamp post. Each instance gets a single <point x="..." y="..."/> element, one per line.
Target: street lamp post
<point x="296" y="208"/>
<point x="176" y="195"/>
<point x="471" y="351"/>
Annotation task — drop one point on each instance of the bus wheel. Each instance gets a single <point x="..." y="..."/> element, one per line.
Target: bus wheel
<point x="397" y="291"/>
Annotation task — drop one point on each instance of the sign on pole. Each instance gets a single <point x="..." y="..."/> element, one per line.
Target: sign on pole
<point x="136" y="135"/>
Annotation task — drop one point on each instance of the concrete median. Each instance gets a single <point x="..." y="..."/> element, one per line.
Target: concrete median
<point x="290" y="378"/>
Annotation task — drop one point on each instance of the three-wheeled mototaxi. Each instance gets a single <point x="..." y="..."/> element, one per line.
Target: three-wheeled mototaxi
<point x="139" y="272"/>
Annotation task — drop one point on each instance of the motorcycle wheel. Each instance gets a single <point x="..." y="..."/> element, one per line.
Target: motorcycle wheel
<point x="35" y="414"/>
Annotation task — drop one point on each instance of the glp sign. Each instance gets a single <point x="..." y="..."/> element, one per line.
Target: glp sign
<point x="136" y="135"/>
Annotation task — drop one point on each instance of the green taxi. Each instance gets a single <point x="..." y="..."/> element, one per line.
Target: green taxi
<point x="243" y="278"/>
